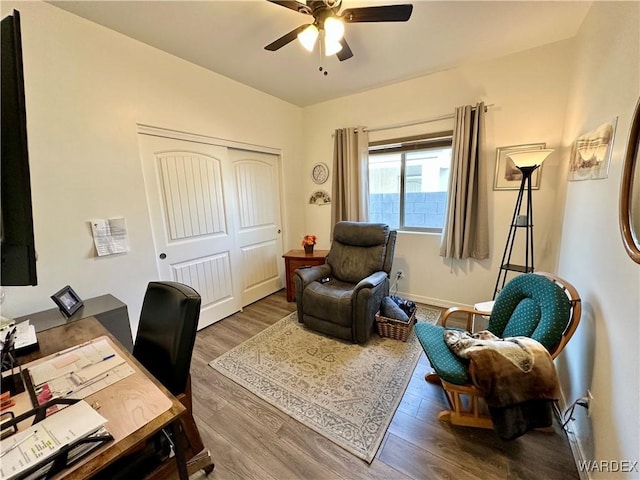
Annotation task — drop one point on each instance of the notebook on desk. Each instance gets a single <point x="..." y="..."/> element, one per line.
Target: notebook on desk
<point x="33" y="451"/>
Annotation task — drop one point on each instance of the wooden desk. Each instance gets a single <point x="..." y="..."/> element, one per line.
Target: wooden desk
<point x="294" y="259"/>
<point x="136" y="407"/>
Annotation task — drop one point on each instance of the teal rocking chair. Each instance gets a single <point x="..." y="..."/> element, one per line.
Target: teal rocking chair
<point x="537" y="305"/>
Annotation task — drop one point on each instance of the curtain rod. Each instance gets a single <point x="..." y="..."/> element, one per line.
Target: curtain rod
<point x="416" y="122"/>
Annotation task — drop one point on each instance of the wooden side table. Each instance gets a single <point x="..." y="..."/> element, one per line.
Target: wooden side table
<point x="294" y="259"/>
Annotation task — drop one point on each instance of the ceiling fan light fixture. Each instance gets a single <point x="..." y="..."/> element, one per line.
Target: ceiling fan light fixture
<point x="308" y="37"/>
<point x="334" y="28"/>
<point x="331" y="46"/>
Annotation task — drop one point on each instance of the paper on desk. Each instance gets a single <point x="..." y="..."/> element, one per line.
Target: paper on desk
<point x="109" y="236"/>
<point x="67" y="388"/>
<point x="41" y="441"/>
<point x="25" y="335"/>
<point x="79" y="364"/>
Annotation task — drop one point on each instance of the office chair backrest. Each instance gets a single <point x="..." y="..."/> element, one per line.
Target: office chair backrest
<point x="167" y="332"/>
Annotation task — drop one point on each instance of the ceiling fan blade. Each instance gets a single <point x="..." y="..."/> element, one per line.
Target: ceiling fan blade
<point x="346" y="52"/>
<point x="287" y="38"/>
<point x="293" y="5"/>
<point x="387" y="13"/>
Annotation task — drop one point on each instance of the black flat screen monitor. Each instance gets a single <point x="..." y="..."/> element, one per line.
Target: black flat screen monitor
<point x="16" y="228"/>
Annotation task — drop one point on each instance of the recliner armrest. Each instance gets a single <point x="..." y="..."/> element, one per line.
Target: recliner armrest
<point x="367" y="295"/>
<point x="312" y="274"/>
<point x="371" y="281"/>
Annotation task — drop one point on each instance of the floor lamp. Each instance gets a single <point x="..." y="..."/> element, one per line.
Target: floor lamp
<point x="527" y="161"/>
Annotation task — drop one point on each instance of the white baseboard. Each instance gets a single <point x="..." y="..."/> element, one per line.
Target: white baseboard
<point x="436" y="302"/>
<point x="574" y="444"/>
<point x="578" y="457"/>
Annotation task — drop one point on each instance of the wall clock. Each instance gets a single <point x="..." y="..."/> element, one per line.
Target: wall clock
<point x="320" y="173"/>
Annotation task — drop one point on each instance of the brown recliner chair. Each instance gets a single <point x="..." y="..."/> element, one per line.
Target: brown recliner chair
<point x="358" y="267"/>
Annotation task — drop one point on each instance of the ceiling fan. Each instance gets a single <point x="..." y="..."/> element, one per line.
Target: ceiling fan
<point x="328" y="23"/>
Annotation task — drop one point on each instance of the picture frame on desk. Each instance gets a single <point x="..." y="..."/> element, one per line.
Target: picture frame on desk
<point x="67" y="300"/>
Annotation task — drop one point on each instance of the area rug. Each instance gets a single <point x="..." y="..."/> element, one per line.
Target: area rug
<point x="347" y="393"/>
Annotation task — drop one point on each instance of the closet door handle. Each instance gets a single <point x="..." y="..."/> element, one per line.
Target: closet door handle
<point x="163" y="256"/>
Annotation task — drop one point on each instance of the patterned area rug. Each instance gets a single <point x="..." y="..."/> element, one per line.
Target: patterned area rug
<point x="347" y="393"/>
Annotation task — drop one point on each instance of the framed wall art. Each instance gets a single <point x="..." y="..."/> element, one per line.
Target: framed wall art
<point x="320" y="173"/>
<point x="591" y="153"/>
<point x="508" y="176"/>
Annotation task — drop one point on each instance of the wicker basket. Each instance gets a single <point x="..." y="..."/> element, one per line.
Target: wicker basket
<point x="392" y="328"/>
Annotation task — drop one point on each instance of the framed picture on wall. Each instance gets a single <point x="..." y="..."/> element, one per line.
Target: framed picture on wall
<point x="508" y="176"/>
<point x="591" y="153"/>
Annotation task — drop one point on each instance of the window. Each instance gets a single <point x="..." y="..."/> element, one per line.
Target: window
<point x="408" y="182"/>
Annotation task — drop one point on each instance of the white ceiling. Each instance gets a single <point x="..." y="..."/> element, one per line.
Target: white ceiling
<point x="228" y="37"/>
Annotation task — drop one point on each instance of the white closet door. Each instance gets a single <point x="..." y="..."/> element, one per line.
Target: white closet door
<point x="192" y="208"/>
<point x="257" y="189"/>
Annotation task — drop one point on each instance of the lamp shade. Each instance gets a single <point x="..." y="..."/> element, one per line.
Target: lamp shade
<point x="334" y="28"/>
<point x="331" y="46"/>
<point x="529" y="158"/>
<point x="308" y="37"/>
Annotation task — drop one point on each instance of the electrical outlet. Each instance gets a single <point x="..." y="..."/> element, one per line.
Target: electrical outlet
<point x="399" y="274"/>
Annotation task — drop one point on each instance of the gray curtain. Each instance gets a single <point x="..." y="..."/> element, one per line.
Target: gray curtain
<point x="466" y="231"/>
<point x="350" y="191"/>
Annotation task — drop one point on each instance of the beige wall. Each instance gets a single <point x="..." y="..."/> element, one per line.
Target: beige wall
<point x="603" y="356"/>
<point x="529" y="104"/>
<point x="86" y="89"/>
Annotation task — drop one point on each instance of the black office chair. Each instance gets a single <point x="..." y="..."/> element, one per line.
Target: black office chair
<point x="167" y="333"/>
<point x="164" y="346"/>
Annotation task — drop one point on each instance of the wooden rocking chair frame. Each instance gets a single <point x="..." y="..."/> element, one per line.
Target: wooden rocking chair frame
<point x="467" y="403"/>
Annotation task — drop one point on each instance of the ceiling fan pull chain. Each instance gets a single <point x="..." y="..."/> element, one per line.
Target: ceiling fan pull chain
<point x="321" y="53"/>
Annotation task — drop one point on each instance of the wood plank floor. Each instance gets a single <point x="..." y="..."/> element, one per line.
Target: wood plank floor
<point x="250" y="439"/>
